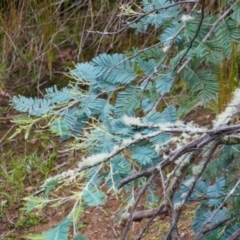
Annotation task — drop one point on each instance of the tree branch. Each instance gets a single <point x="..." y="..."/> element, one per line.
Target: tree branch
<point x="208" y="34"/>
<point x="219" y="207"/>
<point x="141" y="192"/>
<point x="235" y="235"/>
<point x="139" y="215"/>
<point x="142" y="16"/>
<point x="217" y="133"/>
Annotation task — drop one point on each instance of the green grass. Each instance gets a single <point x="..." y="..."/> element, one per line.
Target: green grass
<point x="20" y="172"/>
<point x="24" y="166"/>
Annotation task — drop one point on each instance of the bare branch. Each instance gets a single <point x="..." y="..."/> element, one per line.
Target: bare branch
<point x="176" y="212"/>
<point x="139" y="215"/>
<point x="195" y="36"/>
<point x="235" y="235"/>
<point x="208" y="34"/>
<point x="142" y="16"/>
<point x="219" y="207"/>
<point x="141" y="192"/>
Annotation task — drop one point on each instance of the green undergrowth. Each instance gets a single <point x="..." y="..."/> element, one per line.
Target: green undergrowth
<point x="23" y="169"/>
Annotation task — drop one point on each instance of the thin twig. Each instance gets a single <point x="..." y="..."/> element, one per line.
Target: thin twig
<point x="219" y="208"/>
<point x="219" y="132"/>
<point x="235" y="235"/>
<point x="195" y="36"/>
<point x="142" y="16"/>
<point x="208" y="35"/>
<point x="179" y="210"/>
<point x="141" y="192"/>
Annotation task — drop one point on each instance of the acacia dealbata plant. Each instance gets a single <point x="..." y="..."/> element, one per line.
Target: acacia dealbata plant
<point x="116" y="115"/>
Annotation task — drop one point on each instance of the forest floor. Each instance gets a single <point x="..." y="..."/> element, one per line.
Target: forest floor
<point x="24" y="166"/>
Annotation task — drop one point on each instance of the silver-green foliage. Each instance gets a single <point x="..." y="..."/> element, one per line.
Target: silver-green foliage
<point x="112" y="91"/>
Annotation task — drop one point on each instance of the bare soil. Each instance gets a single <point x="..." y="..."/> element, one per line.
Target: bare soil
<point x="96" y="222"/>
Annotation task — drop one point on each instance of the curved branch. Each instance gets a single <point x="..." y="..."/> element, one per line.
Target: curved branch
<point x="219" y="208"/>
<point x="235" y="235"/>
<point x="141" y="192"/>
<point x="195" y="36"/>
<point x="139" y="215"/>
<point x="176" y="212"/>
<point x="222" y="133"/>
<point x="208" y="34"/>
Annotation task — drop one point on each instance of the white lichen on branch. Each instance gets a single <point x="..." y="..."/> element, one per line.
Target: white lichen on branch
<point x="226" y="116"/>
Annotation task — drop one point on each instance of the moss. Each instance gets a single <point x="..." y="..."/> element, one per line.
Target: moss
<point x="27" y="221"/>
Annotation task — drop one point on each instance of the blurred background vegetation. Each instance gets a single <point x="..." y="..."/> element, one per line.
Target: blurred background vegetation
<point x="41" y="39"/>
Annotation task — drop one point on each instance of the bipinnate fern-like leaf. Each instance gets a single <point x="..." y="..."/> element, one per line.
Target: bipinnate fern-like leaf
<point x="113" y="178"/>
<point x="202" y="84"/>
<point x="215" y="234"/>
<point x="106" y="112"/>
<point x="152" y="198"/>
<point x="147" y="105"/>
<point x="157" y="19"/>
<point x="211" y="51"/>
<point x="142" y="154"/>
<point x="122" y="164"/>
<point x="93" y="196"/>
<point x="34" y="106"/>
<point x="93" y="177"/>
<point x="92" y="105"/>
<point x="127" y="101"/>
<point x="200" y="190"/>
<point x="216" y="216"/>
<point x="168" y="35"/>
<point x="226" y="33"/>
<point x="191" y="29"/>
<point x="116" y="68"/>
<point x="118" y="126"/>
<point x="101" y="140"/>
<point x="200" y="217"/>
<point x="118" y="169"/>
<point x="204" y="214"/>
<point x="80" y="236"/>
<point x="50" y="185"/>
<point x="236" y="13"/>
<point x="223" y="162"/>
<point x="164" y="83"/>
<point x="155" y="53"/>
<point x="60" y="232"/>
<point x="69" y="124"/>
<point x="58" y="96"/>
<point x="147" y="66"/>
<point x="88" y="74"/>
<point x="161" y="139"/>
<point x="229" y="231"/>
<point x="86" y="71"/>
<point x="22" y="120"/>
<point x="203" y="190"/>
<point x="60" y="127"/>
<point x="168" y="115"/>
<point x="216" y="190"/>
<point x="34" y="202"/>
